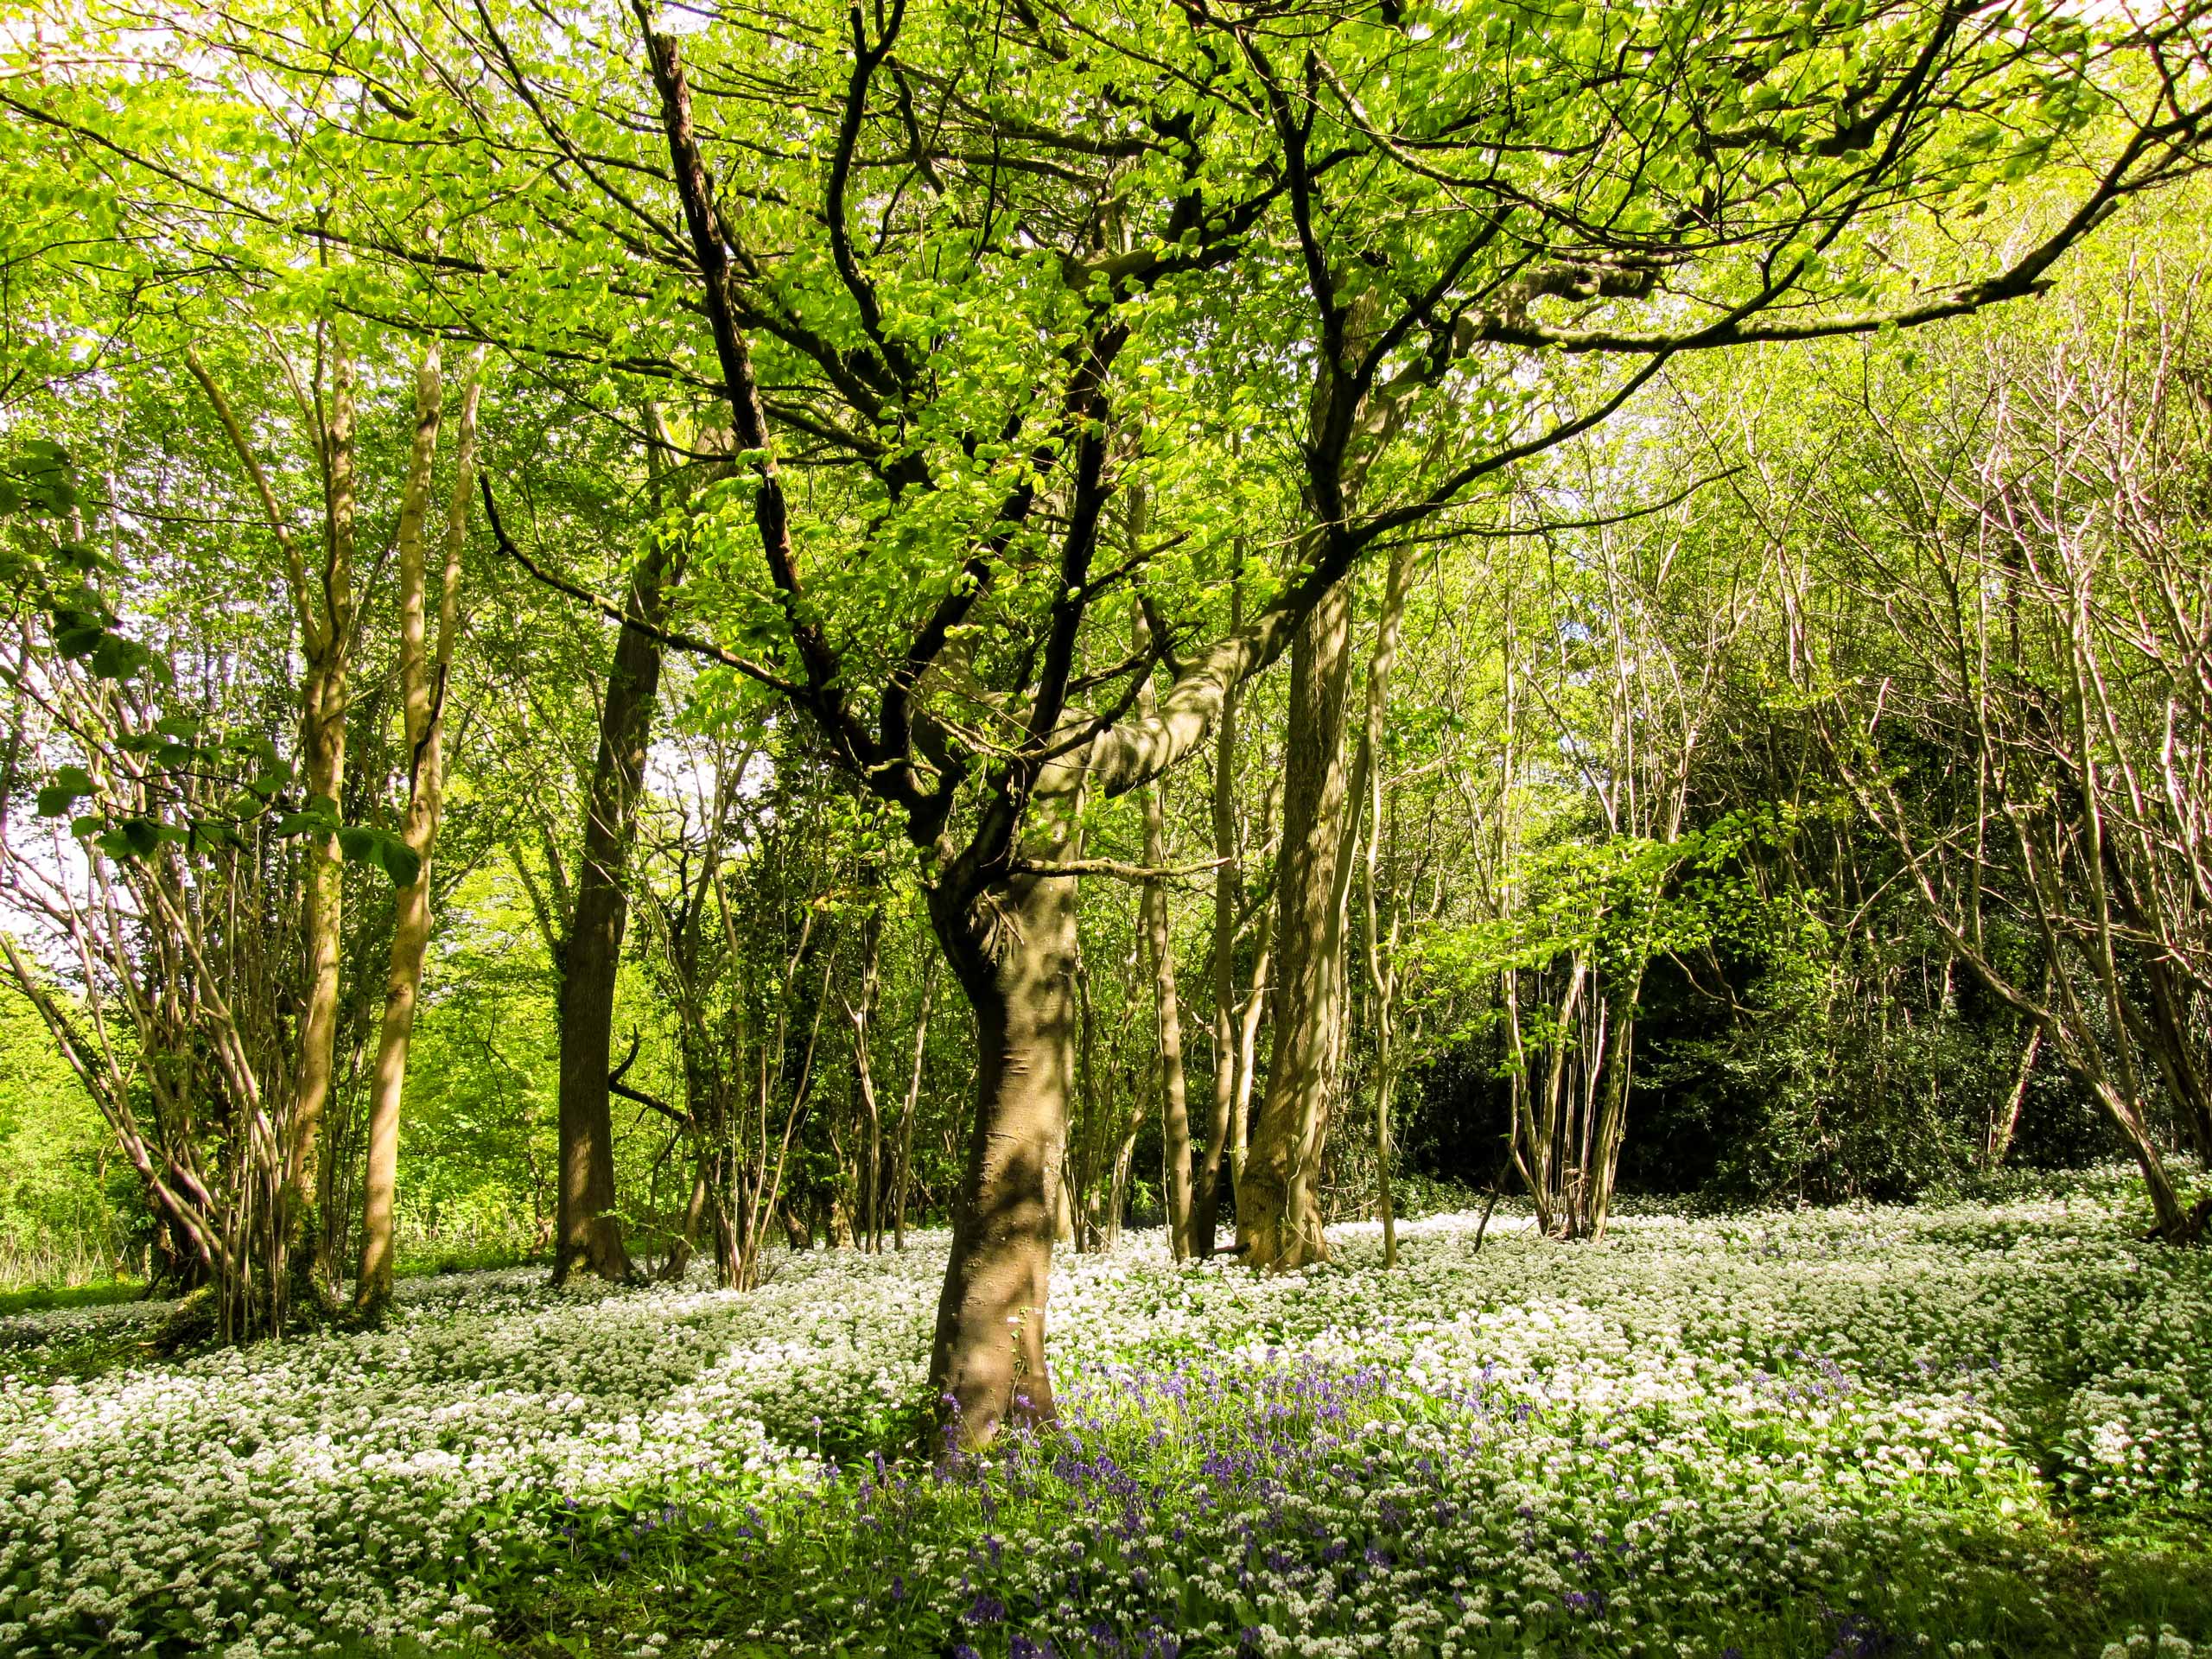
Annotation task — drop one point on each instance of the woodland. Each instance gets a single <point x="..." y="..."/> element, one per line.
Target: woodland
<point x="1236" y="827"/>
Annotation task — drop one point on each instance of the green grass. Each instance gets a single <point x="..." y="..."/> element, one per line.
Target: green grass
<point x="482" y="1258"/>
<point x="40" y="1299"/>
<point x="105" y="1293"/>
<point x="416" y="1261"/>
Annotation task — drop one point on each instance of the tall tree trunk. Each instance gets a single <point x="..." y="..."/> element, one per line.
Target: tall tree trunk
<point x="1073" y="1211"/>
<point x="1383" y="975"/>
<point x="1619" y="1063"/>
<point x="686" y="1242"/>
<point x="1120" y="1165"/>
<point x="587" y="1232"/>
<point x="411" y="902"/>
<point x="2176" y="1048"/>
<point x="425" y="665"/>
<point x="1383" y="978"/>
<point x="1278" y="1217"/>
<point x="1175" y="1091"/>
<point x="1205" y="1209"/>
<point x="323" y="738"/>
<point x="868" y="1149"/>
<point x="1278" y="1212"/>
<point x="1013" y="949"/>
<point x="2123" y="1096"/>
<point x="1248" y="1021"/>
<point x="1206" y="1203"/>
<point x="1549" y="1150"/>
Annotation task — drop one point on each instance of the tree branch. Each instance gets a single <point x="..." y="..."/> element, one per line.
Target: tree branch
<point x="669" y="636"/>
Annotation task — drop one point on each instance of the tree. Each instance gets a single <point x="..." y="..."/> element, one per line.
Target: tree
<point x="323" y="602"/>
<point x="425" y="667"/>
<point x="174" y="912"/>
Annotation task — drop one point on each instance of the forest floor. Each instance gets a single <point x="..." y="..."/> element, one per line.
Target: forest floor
<point x="1953" y="1428"/>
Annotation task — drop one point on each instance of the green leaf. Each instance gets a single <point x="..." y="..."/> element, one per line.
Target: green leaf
<point x="319" y="817"/>
<point x="70" y="784"/>
<point x="117" y="658"/>
<point x="78" y="639"/>
<point x="132" y="838"/>
<point x="380" y="850"/>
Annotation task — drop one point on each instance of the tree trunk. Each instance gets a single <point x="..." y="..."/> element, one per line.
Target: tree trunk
<point x="1174" y="1095"/>
<point x="1206" y="1210"/>
<point x="2175" y="1047"/>
<point x="323" y="610"/>
<point x="2122" y="1097"/>
<point x="2006" y="1123"/>
<point x="1071" y="1195"/>
<point x="1619" y="1060"/>
<point x="588" y="1233"/>
<point x="1384" y="975"/>
<point x="423" y="675"/>
<point x="1278" y="1219"/>
<point x="326" y="646"/>
<point x="1013" y="949"/>
<point x="1248" y="1044"/>
<point x="1383" y="978"/>
<point x="1117" y="1184"/>
<point x="867" y="1150"/>
<point x="2172" y="1219"/>
<point x="411" y="928"/>
<point x="1277" y="1214"/>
